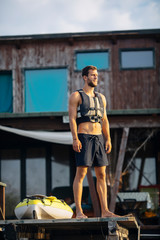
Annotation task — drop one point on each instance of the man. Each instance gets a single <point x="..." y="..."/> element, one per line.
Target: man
<point x="88" y="120"/>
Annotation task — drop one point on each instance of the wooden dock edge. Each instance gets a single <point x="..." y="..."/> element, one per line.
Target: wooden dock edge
<point x="114" y="228"/>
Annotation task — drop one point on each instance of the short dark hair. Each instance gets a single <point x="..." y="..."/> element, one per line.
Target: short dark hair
<point x="85" y="70"/>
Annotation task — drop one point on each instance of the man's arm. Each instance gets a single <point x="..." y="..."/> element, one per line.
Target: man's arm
<point x="73" y="104"/>
<point x="105" y="128"/>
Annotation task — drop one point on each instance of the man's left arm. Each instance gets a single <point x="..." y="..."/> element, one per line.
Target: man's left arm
<point x="105" y="128"/>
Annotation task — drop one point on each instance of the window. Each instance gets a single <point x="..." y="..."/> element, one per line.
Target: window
<point x="6" y="104"/>
<point x="60" y="166"/>
<point x="149" y="176"/>
<point x="100" y="59"/>
<point x="10" y="174"/>
<point x="35" y="171"/>
<point x="35" y="176"/>
<point x="133" y="59"/>
<point x="46" y="90"/>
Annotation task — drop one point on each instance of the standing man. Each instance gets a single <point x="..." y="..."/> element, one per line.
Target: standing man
<point x="88" y="120"/>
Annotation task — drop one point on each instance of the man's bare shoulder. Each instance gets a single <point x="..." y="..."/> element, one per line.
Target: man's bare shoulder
<point x="75" y="97"/>
<point x="103" y="97"/>
<point x="74" y="94"/>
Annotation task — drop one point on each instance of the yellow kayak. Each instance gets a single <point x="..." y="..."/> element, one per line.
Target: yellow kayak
<point x="43" y="207"/>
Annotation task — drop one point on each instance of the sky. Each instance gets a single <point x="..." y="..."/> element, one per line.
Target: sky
<point x="27" y="17"/>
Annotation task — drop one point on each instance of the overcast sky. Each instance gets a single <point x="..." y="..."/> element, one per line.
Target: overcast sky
<point x="21" y="17"/>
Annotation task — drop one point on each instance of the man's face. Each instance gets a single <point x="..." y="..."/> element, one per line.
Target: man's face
<point x="92" y="79"/>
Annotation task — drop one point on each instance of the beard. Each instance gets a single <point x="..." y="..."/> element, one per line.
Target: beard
<point x="91" y="84"/>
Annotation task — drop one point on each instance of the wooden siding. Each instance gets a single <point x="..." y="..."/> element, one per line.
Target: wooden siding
<point x="124" y="89"/>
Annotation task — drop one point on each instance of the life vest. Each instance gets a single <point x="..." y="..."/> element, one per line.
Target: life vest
<point x="91" y="109"/>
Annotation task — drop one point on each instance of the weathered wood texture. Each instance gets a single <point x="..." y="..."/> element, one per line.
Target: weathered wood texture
<point x="124" y="89"/>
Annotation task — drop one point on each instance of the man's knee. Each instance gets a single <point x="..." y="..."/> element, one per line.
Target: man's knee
<point x="81" y="172"/>
<point x="100" y="174"/>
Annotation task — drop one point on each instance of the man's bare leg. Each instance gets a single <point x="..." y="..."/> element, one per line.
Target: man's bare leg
<point x="102" y="192"/>
<point x="78" y="189"/>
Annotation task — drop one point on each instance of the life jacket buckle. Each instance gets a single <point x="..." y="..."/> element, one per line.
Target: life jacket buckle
<point x="94" y="118"/>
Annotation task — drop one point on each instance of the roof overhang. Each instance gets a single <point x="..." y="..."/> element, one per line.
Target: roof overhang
<point x="59" y="121"/>
<point x="111" y="35"/>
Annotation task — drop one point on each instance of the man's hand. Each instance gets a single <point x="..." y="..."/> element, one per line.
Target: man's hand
<point x="108" y="146"/>
<point x="77" y="145"/>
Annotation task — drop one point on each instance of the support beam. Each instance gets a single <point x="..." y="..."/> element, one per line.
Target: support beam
<point x="158" y="168"/>
<point x="23" y="173"/>
<point x="48" y="171"/>
<point x="2" y="200"/>
<point x="118" y="173"/>
<point x="94" y="195"/>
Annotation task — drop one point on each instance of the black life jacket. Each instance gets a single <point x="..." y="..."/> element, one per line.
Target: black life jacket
<point x="91" y="109"/>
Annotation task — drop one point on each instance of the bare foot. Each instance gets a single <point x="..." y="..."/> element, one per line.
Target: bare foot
<point x="81" y="215"/>
<point x="109" y="214"/>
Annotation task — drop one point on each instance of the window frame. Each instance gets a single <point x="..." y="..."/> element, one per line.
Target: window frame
<point x="92" y="51"/>
<point x="121" y="50"/>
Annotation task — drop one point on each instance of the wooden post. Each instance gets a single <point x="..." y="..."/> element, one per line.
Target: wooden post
<point x="48" y="170"/>
<point x="2" y="200"/>
<point x="94" y="195"/>
<point x="23" y="173"/>
<point x="118" y="173"/>
<point x="158" y="168"/>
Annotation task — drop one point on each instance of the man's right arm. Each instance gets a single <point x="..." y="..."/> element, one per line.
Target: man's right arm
<point x="73" y="104"/>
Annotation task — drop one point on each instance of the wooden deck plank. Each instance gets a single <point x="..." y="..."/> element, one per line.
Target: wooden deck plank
<point x="115" y="228"/>
<point x="130" y="222"/>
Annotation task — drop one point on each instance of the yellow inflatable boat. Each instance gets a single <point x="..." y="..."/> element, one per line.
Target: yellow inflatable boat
<point x="42" y="207"/>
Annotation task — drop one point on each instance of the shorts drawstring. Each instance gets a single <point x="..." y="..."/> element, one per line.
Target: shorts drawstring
<point x="97" y="140"/>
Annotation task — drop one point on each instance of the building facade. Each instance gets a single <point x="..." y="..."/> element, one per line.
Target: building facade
<point x="37" y="75"/>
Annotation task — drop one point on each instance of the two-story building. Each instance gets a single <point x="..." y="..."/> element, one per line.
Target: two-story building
<point x="37" y="75"/>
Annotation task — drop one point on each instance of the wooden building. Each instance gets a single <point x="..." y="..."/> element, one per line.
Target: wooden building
<point x="37" y="74"/>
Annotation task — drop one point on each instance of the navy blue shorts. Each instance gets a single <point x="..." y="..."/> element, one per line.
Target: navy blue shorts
<point x="92" y="152"/>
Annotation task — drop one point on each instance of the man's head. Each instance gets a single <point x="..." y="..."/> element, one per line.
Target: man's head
<point x="85" y="70"/>
<point x="90" y="76"/>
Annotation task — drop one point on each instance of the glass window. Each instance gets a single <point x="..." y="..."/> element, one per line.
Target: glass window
<point x="149" y="176"/>
<point x="60" y="166"/>
<point x="6" y="104"/>
<point x="46" y="90"/>
<point x="10" y="175"/>
<point x="132" y="59"/>
<point x="35" y="172"/>
<point x="100" y="59"/>
<point x="149" y="171"/>
<point x="60" y="174"/>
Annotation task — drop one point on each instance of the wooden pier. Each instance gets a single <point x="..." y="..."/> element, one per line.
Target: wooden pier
<point x="123" y="228"/>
